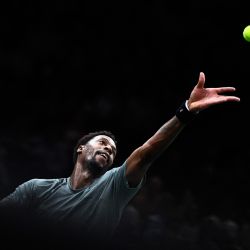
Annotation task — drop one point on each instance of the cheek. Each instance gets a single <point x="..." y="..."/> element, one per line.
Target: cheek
<point x="89" y="151"/>
<point x="112" y="160"/>
<point x="89" y="155"/>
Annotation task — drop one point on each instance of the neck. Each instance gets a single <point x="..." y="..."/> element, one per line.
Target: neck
<point x="80" y="177"/>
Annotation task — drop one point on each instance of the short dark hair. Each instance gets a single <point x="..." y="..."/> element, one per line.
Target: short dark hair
<point x="83" y="140"/>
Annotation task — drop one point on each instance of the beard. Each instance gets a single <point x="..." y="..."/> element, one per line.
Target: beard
<point x="95" y="168"/>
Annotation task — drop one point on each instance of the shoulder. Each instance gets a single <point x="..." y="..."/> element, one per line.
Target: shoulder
<point x="39" y="182"/>
<point x="116" y="170"/>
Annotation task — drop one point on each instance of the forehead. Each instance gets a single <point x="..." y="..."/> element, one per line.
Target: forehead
<point x="103" y="137"/>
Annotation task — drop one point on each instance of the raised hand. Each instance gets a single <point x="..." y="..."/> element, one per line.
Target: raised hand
<point x="202" y="98"/>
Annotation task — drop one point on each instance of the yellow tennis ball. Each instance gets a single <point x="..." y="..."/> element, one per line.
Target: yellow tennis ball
<point x="246" y="33"/>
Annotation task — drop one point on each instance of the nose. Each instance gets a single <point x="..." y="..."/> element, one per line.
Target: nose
<point x="108" y="149"/>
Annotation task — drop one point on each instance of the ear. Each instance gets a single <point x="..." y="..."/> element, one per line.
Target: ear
<point x="80" y="148"/>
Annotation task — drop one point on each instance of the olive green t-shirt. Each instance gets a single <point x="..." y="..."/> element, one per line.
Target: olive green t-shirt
<point x="95" y="209"/>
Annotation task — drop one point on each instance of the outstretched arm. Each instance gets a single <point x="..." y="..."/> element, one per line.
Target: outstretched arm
<point x="200" y="98"/>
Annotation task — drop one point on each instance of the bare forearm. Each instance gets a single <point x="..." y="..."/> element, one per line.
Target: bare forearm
<point x="156" y="144"/>
<point x="165" y="135"/>
<point x="140" y="160"/>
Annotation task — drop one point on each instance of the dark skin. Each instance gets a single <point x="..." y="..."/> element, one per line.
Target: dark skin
<point x="102" y="149"/>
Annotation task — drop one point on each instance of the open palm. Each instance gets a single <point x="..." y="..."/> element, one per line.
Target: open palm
<point x="202" y="98"/>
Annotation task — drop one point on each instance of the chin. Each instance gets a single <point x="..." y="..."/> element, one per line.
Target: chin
<point x="96" y="168"/>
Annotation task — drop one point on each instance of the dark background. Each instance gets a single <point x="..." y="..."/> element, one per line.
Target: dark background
<point x="69" y="68"/>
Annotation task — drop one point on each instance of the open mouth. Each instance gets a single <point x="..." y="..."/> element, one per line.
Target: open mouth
<point x="103" y="155"/>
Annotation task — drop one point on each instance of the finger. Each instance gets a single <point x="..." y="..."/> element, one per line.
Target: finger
<point x="201" y="80"/>
<point x="225" y="89"/>
<point x="233" y="99"/>
<point x="230" y="99"/>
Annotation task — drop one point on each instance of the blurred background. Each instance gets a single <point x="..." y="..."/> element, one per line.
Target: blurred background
<point x="73" y="67"/>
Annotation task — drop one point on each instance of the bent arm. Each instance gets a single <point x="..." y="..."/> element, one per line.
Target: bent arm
<point x="200" y="98"/>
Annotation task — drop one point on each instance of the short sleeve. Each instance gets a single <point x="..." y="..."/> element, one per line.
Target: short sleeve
<point x="20" y="197"/>
<point x="122" y="188"/>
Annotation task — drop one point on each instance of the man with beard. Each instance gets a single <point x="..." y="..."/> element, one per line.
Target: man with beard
<point x="88" y="204"/>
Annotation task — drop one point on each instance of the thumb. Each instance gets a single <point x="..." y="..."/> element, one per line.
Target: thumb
<point x="201" y="81"/>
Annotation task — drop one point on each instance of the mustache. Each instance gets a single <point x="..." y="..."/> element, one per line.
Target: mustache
<point x="103" y="152"/>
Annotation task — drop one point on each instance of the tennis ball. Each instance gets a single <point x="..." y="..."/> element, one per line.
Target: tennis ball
<point x="246" y="33"/>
